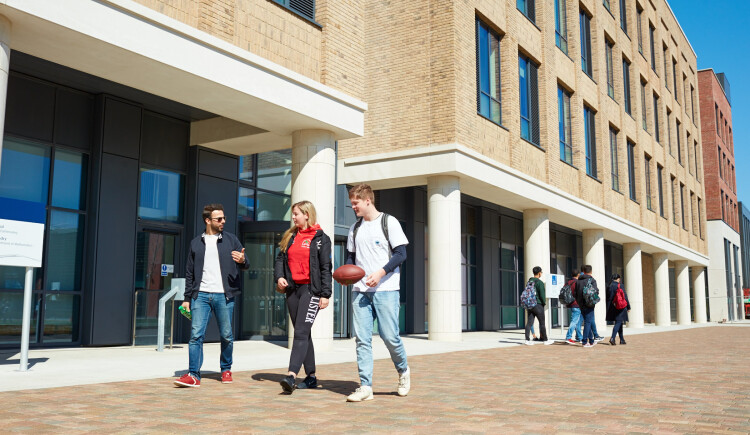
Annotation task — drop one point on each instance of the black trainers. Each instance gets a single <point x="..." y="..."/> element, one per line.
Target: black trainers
<point x="288" y="384"/>
<point x="611" y="341"/>
<point x="622" y="341"/>
<point x="308" y="382"/>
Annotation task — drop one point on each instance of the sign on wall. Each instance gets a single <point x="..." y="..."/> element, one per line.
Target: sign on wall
<point x="553" y="285"/>
<point x="21" y="243"/>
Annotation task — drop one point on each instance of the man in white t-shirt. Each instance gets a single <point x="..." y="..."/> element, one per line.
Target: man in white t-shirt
<point x="379" y="248"/>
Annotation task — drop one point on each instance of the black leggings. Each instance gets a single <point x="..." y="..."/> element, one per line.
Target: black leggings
<point x="538" y="312"/>
<point x="303" y="308"/>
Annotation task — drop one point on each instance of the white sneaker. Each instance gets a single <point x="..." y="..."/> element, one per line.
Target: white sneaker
<point x="404" y="382"/>
<point x="528" y="343"/>
<point x="548" y="342"/>
<point x="361" y="394"/>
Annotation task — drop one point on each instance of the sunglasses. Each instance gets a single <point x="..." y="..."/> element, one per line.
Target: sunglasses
<point x="219" y="219"/>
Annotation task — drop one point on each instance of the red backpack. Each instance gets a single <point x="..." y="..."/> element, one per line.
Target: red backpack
<point x="620" y="301"/>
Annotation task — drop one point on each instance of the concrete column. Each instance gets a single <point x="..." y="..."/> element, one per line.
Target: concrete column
<point x="699" y="294"/>
<point x="593" y="254"/>
<point x="661" y="289"/>
<point x="5" y="32"/>
<point x="536" y="249"/>
<point x="444" y="258"/>
<point x="634" y="283"/>
<point x="682" y="283"/>
<point x="314" y="180"/>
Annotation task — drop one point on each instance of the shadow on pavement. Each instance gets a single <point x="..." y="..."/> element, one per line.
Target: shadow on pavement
<point x="344" y="388"/>
<point x="32" y="361"/>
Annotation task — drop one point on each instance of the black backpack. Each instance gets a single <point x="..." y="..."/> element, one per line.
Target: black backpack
<point x="384" y="227"/>
<point x="566" y="295"/>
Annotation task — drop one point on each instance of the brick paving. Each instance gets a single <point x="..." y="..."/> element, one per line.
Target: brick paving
<point x="690" y="381"/>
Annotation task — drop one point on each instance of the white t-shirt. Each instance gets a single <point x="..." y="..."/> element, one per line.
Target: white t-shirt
<point x="372" y="252"/>
<point x="211" y="278"/>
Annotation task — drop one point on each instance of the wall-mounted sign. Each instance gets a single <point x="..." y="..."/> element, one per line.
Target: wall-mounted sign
<point x="21" y="243"/>
<point x="167" y="268"/>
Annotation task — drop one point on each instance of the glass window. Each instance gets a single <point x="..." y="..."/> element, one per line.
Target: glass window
<point x="626" y="85"/>
<point x="246" y="205"/>
<point x="161" y="195"/>
<point x="623" y="17"/>
<point x="656" y="119"/>
<point x="11" y="316"/>
<point x="488" y="65"/>
<point x="647" y="165"/>
<point x="529" y="99"/>
<point x="651" y="31"/>
<point x="61" y="317"/>
<point x="639" y="19"/>
<point x="527" y="8"/>
<point x="247" y="168"/>
<point x="586" y="63"/>
<point x="275" y="171"/>
<point x="272" y="207"/>
<point x="664" y="53"/>
<point x="24" y="179"/>
<point x="669" y="131"/>
<point x="631" y="170"/>
<point x="615" y="164"/>
<point x="606" y="5"/>
<point x="561" y="26"/>
<point x="674" y="79"/>
<point x="64" y="251"/>
<point x="660" y="187"/>
<point x="69" y="180"/>
<point x="679" y="144"/>
<point x="566" y="147"/>
<point x="643" y="105"/>
<point x="590" y="136"/>
<point x="608" y="47"/>
<point x="682" y="204"/>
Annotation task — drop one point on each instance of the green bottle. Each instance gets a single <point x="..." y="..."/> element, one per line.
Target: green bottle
<point x="186" y="313"/>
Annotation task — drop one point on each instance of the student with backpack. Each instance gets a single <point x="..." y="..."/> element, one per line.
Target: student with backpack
<point x="617" y="308"/>
<point x="568" y="297"/>
<point x="587" y="296"/>
<point x="533" y="300"/>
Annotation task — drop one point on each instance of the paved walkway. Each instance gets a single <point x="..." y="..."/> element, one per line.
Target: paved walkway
<point x="693" y="380"/>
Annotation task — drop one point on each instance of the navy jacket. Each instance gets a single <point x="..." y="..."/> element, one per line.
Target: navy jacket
<point x="230" y="270"/>
<point x="580" y="285"/>
<point x="613" y="313"/>
<point x="320" y="266"/>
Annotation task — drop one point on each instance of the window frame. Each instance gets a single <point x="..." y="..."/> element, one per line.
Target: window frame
<point x="660" y="188"/>
<point x="529" y="9"/>
<point x="589" y="119"/>
<point x="647" y="174"/>
<point x="609" y="47"/>
<point x="565" y="128"/>
<point x="631" y="170"/>
<point x="492" y="37"/>
<point x="614" y="160"/>
<point x="561" y="25"/>
<point x="531" y="70"/>
<point x="587" y="65"/>
<point x="624" y="16"/>
<point x="626" y="87"/>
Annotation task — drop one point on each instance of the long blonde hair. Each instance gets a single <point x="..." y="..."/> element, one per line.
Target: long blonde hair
<point x="308" y="209"/>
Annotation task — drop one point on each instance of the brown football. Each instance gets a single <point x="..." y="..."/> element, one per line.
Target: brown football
<point x="348" y="274"/>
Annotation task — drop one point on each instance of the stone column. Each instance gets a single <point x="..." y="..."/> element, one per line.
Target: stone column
<point x="593" y="254"/>
<point x="633" y="283"/>
<point x="682" y="283"/>
<point x="5" y="33"/>
<point x="314" y="179"/>
<point x="661" y="289"/>
<point x="536" y="250"/>
<point x="699" y="294"/>
<point x="444" y="258"/>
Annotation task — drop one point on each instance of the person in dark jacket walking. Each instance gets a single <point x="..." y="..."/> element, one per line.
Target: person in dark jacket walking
<point x="614" y="314"/>
<point x="537" y="311"/>
<point x="303" y="271"/>
<point x="575" y="313"/>
<point x="586" y="311"/>
<point x="212" y="280"/>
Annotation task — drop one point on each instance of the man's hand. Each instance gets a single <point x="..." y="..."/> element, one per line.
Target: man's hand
<point x="239" y="257"/>
<point x="374" y="278"/>
<point x="186" y="305"/>
<point x="323" y="303"/>
<point x="281" y="284"/>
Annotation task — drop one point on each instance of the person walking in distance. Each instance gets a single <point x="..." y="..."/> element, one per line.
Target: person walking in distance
<point x="587" y="295"/>
<point x="618" y="306"/>
<point x="537" y="311"/>
<point x="303" y="271"/>
<point x="212" y="280"/>
<point x="377" y="244"/>
<point x="575" y="313"/>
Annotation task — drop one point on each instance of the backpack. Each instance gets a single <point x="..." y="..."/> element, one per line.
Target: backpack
<point x="620" y="301"/>
<point x="384" y="227"/>
<point x="590" y="294"/>
<point x="528" y="296"/>
<point x="566" y="295"/>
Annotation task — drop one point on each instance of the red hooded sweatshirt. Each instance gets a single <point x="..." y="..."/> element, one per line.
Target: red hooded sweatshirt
<point x="299" y="255"/>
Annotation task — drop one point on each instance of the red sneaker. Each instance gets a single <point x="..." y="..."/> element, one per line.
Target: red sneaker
<point x="187" y="380"/>
<point x="226" y="377"/>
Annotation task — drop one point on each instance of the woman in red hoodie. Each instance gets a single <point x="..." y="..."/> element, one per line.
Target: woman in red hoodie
<point x="303" y="271"/>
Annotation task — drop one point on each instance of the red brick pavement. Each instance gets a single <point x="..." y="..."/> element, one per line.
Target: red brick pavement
<point x="690" y="381"/>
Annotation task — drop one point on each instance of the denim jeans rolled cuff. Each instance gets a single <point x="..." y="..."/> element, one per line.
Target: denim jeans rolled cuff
<point x="383" y="306"/>
<point x="575" y="323"/>
<point x="202" y="308"/>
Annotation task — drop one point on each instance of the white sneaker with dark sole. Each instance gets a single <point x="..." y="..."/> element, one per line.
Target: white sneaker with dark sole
<point x="528" y="343"/>
<point x="548" y="342"/>
<point x="404" y="382"/>
<point x="361" y="394"/>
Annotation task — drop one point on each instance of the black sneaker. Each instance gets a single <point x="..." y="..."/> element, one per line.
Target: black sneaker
<point x="288" y="384"/>
<point x="611" y="341"/>
<point x="308" y="382"/>
<point x="622" y="341"/>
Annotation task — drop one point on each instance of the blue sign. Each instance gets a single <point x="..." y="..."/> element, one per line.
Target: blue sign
<point x="164" y="270"/>
<point x="554" y="280"/>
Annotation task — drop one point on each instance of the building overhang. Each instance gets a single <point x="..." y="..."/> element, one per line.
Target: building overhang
<point x="127" y="43"/>
<point x="497" y="183"/>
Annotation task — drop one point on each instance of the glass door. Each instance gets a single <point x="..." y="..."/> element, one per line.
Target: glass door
<point x="154" y="269"/>
<point x="341" y="293"/>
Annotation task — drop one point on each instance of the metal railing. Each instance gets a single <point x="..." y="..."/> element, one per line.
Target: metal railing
<point x="145" y="322"/>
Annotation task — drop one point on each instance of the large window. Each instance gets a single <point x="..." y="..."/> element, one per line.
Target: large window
<point x="511" y="271"/>
<point x="647" y="166"/>
<point x="527" y="8"/>
<point x="561" y="26"/>
<point x="565" y="131"/>
<point x="651" y="30"/>
<point x="265" y="186"/>
<point x="468" y="268"/>
<point x="626" y="85"/>
<point x="639" y="24"/>
<point x="623" y="16"/>
<point x="589" y="124"/>
<point x="608" y="47"/>
<point x="679" y="142"/>
<point x="682" y="205"/>
<point x="631" y="170"/>
<point x="488" y="73"/>
<point x="615" y="168"/>
<point x="586" y="55"/>
<point x="529" y="99"/>
<point x="660" y="187"/>
<point x="46" y="184"/>
<point x="656" y="118"/>
<point x="643" y="105"/>
<point x="161" y="195"/>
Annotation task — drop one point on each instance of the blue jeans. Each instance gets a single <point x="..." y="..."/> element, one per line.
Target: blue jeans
<point x="575" y="323"/>
<point x="201" y="309"/>
<point x="588" y="330"/>
<point x="384" y="306"/>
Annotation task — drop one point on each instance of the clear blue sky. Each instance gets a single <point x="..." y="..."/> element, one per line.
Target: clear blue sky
<point x="725" y="47"/>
